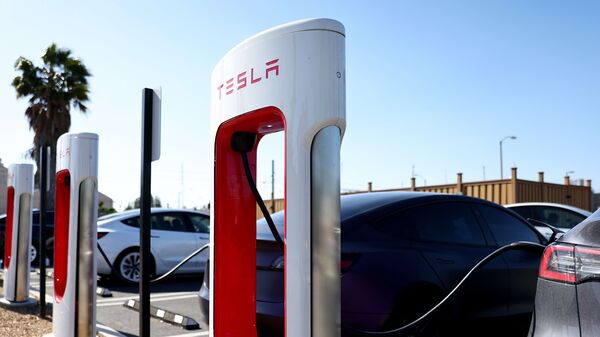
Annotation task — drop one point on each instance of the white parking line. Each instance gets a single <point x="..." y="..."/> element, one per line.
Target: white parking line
<point x="194" y="334"/>
<point x="120" y="301"/>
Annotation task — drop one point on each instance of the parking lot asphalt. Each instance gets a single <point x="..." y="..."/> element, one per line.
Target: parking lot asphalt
<point x="177" y="295"/>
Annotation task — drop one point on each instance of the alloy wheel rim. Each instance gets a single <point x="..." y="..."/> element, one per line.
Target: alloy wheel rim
<point x="32" y="254"/>
<point x="130" y="267"/>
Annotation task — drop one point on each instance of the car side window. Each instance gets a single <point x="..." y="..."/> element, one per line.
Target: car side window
<point x="558" y="217"/>
<point x="446" y="222"/>
<point x="133" y="222"/>
<point x="200" y="223"/>
<point x="176" y="222"/>
<point x="524" y="211"/>
<point x="164" y="222"/>
<point x="505" y="227"/>
<point x="393" y="226"/>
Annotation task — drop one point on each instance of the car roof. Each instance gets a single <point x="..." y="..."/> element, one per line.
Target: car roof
<point x="154" y="210"/>
<point x="360" y="203"/>
<point x="551" y="204"/>
<point x="586" y="232"/>
<point x="353" y="205"/>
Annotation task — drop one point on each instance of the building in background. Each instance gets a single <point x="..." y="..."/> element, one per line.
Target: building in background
<point x="506" y="191"/>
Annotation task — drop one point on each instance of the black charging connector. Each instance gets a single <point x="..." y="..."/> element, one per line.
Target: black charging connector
<point x="243" y="142"/>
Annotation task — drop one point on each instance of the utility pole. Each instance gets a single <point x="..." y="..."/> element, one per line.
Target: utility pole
<point x="501" y="141"/>
<point x="182" y="200"/>
<point x="272" y="186"/>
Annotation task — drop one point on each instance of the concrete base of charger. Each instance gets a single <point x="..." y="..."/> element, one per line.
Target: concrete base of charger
<point x="30" y="302"/>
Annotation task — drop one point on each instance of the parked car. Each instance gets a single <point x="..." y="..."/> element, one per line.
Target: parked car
<point x="567" y="302"/>
<point x="174" y="235"/>
<point x="35" y="232"/>
<point x="563" y="217"/>
<point x="402" y="252"/>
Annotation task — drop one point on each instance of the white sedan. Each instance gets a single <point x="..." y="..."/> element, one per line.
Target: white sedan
<point x="175" y="234"/>
<point x="563" y="217"/>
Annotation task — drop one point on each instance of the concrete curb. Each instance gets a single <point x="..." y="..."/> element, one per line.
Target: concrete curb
<point x="103" y="292"/>
<point x="167" y="316"/>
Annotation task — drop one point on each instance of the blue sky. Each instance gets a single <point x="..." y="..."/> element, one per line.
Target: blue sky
<point x="434" y="84"/>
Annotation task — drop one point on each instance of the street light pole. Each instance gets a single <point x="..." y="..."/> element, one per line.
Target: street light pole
<point x="501" y="141"/>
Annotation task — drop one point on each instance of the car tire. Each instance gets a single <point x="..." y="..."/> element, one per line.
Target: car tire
<point x="33" y="255"/>
<point x="126" y="266"/>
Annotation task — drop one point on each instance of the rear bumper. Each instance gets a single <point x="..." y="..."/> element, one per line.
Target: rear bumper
<point x="103" y="267"/>
<point x="556" y="312"/>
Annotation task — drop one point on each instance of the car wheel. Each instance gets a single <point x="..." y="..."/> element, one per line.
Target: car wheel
<point x="33" y="254"/>
<point x="127" y="266"/>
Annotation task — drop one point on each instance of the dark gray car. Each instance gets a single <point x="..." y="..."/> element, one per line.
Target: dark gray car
<point x="568" y="291"/>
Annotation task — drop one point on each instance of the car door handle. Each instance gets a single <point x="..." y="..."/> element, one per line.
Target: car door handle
<point x="444" y="261"/>
<point x="154" y="236"/>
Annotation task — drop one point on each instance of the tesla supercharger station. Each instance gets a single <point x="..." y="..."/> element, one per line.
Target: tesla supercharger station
<point x="75" y="236"/>
<point x="290" y="78"/>
<point x="18" y="234"/>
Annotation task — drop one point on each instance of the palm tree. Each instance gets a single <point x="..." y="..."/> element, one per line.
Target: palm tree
<point x="53" y="89"/>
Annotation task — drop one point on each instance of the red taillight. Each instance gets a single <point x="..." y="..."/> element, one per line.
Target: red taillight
<point x="101" y="235"/>
<point x="570" y="264"/>
<point x="61" y="233"/>
<point x="587" y="263"/>
<point x="9" y="225"/>
<point x="558" y="264"/>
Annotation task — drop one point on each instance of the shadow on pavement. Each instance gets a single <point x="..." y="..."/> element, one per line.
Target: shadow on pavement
<point x="178" y="283"/>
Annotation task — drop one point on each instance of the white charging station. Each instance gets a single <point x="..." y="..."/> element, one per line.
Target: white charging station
<point x="290" y="78"/>
<point x="75" y="236"/>
<point x="17" y="245"/>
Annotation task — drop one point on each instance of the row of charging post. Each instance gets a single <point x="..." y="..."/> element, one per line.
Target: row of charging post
<point x="291" y="79"/>
<point x="75" y="235"/>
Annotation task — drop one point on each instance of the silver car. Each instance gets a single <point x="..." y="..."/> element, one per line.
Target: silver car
<point x="563" y="217"/>
<point x="175" y="234"/>
<point x="567" y="300"/>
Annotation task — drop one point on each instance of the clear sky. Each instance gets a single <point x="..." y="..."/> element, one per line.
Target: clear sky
<point x="434" y="84"/>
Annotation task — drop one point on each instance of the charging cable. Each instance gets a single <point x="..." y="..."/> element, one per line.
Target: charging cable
<point x="521" y="245"/>
<point x="168" y="273"/>
<point x="243" y="142"/>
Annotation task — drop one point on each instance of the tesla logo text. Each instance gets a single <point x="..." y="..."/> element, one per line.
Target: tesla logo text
<point x="247" y="78"/>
